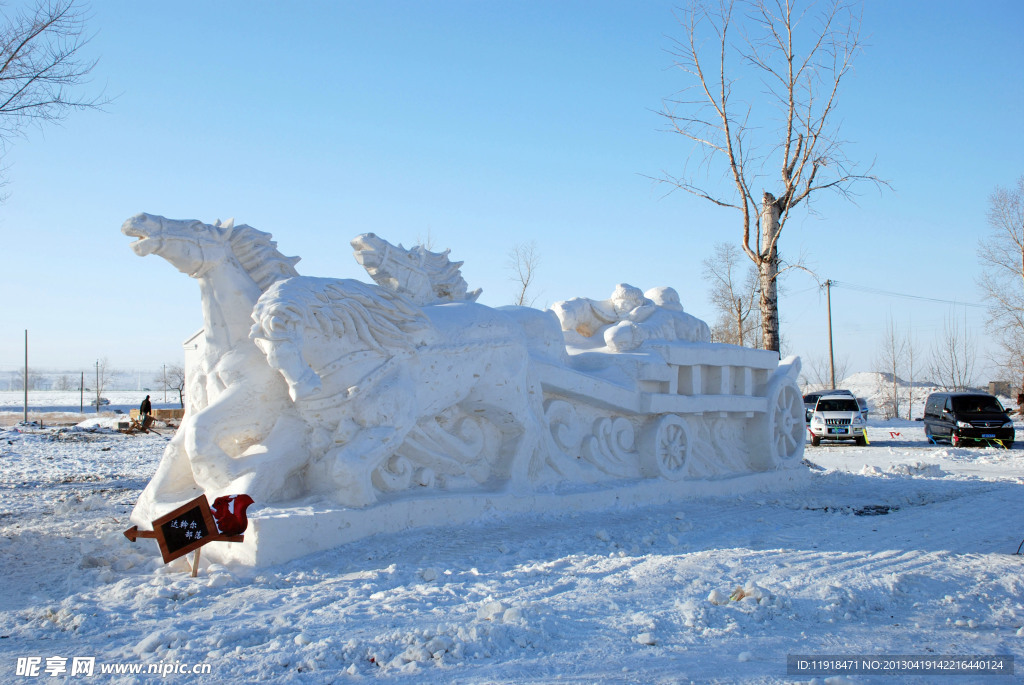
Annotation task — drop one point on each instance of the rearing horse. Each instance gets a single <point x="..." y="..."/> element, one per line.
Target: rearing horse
<point x="242" y="404"/>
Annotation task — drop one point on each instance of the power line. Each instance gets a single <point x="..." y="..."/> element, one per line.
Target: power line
<point x="878" y="291"/>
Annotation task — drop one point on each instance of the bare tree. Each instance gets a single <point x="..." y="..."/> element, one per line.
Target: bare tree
<point x="734" y="295"/>
<point x="1008" y="356"/>
<point x="426" y="243"/>
<point x="1001" y="252"/>
<point x="175" y="379"/>
<point x="890" y="361"/>
<point x="41" y="65"/>
<point x="19" y="378"/>
<point x="802" y="64"/>
<point x="953" y="356"/>
<point x="897" y="363"/>
<point x="104" y="374"/>
<point x="523" y="261"/>
<point x="64" y="383"/>
<point x="913" y="358"/>
<point x="817" y="373"/>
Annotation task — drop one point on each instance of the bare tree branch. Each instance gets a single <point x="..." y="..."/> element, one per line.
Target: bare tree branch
<point x="1001" y="252"/>
<point x="523" y="261"/>
<point x="734" y="296"/>
<point x="953" y="356"/>
<point x="802" y="68"/>
<point x="42" y="65"/>
<point x="104" y="375"/>
<point x="19" y="381"/>
<point x="818" y="373"/>
<point x="890" y="362"/>
<point x="175" y="379"/>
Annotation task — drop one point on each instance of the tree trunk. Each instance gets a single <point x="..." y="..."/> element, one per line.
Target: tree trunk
<point x="739" y="321"/>
<point x="895" y="393"/>
<point x="768" y="273"/>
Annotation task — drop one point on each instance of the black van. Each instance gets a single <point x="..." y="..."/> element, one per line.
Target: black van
<point x="965" y="418"/>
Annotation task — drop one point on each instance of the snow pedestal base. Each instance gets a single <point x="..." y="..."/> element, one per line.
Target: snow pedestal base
<point x="279" y="534"/>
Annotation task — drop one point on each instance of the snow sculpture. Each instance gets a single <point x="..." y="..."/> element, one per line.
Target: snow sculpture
<point x="423" y="276"/>
<point x="342" y="394"/>
<point x="629" y="318"/>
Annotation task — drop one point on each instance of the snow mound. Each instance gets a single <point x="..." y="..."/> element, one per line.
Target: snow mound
<point x="917" y="469"/>
<point x="108" y="422"/>
<point x="751" y="592"/>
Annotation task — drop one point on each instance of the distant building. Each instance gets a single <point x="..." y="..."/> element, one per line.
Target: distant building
<point x="999" y="388"/>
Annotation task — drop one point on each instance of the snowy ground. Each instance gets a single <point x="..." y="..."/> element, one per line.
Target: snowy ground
<point x="636" y="596"/>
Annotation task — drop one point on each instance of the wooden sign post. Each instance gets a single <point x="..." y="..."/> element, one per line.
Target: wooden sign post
<point x="183" y="530"/>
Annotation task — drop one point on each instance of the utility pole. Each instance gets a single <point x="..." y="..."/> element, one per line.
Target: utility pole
<point x="165" y="383"/>
<point x="831" y="356"/>
<point x="81" y="394"/>
<point x="97" y="386"/>
<point x="26" y="375"/>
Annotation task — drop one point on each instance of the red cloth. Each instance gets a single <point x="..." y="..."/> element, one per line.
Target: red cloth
<point x="229" y="513"/>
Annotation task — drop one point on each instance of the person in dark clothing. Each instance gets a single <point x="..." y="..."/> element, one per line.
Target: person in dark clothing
<point x="145" y="409"/>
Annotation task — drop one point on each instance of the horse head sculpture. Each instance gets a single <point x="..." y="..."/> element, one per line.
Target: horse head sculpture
<point x="194" y="248"/>
<point x="233" y="264"/>
<point x="423" y="276"/>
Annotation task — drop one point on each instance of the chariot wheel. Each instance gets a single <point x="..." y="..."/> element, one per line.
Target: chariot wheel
<point x="665" y="445"/>
<point x="786" y="421"/>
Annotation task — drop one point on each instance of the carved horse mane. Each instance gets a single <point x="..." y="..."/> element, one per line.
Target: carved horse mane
<point x="257" y="252"/>
<point x="380" y="319"/>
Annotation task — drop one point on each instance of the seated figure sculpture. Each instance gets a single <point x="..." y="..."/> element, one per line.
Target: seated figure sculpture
<point x="629" y="318"/>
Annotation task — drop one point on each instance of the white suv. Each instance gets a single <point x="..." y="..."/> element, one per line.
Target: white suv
<point x="837" y="417"/>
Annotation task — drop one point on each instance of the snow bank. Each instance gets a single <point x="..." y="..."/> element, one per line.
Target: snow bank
<point x="708" y="589"/>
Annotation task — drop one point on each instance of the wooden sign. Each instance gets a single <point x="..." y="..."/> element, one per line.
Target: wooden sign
<point x="187" y="528"/>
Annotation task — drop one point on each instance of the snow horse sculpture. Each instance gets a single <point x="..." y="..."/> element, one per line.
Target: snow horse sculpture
<point x="334" y="390"/>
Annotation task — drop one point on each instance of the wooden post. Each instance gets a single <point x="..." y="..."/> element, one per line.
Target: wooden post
<point x="195" y="561"/>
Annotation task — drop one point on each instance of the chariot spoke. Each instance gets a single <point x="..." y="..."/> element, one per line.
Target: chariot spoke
<point x="786" y="422"/>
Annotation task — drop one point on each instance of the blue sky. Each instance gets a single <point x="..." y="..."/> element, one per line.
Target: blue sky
<point x="483" y="125"/>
